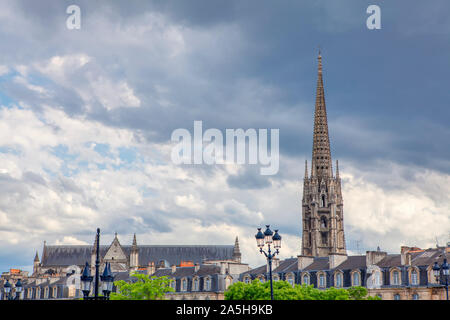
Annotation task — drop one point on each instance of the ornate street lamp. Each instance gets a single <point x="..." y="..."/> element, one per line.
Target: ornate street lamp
<point x="86" y="281"/>
<point x="107" y="280"/>
<point x="19" y="288"/>
<point x="445" y="273"/>
<point x="86" y="278"/>
<point x="7" y="290"/>
<point x="268" y="238"/>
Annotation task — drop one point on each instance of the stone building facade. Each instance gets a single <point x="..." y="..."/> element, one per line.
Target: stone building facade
<point x="57" y="274"/>
<point x="404" y="276"/>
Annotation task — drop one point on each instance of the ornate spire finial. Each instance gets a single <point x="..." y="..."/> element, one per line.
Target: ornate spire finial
<point x="36" y="257"/>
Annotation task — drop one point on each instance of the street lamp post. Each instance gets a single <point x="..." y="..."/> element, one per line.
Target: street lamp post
<point x="445" y="273"/>
<point x="107" y="277"/>
<point x="19" y="288"/>
<point x="268" y="238"/>
<point x="7" y="290"/>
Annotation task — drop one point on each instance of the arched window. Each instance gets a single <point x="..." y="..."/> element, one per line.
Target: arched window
<point x="246" y="279"/>
<point x="195" y="284"/>
<point x="275" y="277"/>
<point x="228" y="282"/>
<point x="338" y="279"/>
<point x="396" y="296"/>
<point x="173" y="284"/>
<point x="377" y="278"/>
<point x="355" y="279"/>
<point x="415" y="296"/>
<point x="323" y="199"/>
<point x="322" y="281"/>
<point x="323" y="222"/>
<point x="184" y="284"/>
<point x="395" y="277"/>
<point x="414" y="277"/>
<point x="207" y="285"/>
<point x="305" y="279"/>
<point x="261" y="279"/>
<point x="290" y="279"/>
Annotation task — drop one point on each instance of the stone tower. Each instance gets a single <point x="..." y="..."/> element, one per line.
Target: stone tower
<point x="322" y="206"/>
<point x="236" y="251"/>
<point x="134" y="255"/>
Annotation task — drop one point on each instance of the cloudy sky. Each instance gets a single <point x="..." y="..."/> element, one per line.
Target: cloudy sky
<point x="86" y="118"/>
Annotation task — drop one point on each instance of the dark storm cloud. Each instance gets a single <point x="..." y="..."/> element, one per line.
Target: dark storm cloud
<point x="249" y="178"/>
<point x="388" y="81"/>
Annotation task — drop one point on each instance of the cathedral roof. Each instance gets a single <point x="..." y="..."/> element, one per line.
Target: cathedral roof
<point x="78" y="254"/>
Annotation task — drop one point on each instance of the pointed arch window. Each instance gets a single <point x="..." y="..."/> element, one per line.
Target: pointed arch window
<point x="323" y="222"/>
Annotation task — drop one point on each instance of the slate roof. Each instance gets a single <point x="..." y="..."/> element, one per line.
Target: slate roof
<point x="320" y="263"/>
<point x="391" y="260"/>
<point x="353" y="262"/>
<point x="260" y="270"/>
<point x="287" y="265"/>
<point x="205" y="269"/>
<point x="428" y="257"/>
<point x="79" y="254"/>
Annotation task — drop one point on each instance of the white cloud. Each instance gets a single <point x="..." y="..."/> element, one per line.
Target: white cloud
<point x="3" y="70"/>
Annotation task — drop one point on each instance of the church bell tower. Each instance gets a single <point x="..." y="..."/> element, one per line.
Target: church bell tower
<point x="322" y="205"/>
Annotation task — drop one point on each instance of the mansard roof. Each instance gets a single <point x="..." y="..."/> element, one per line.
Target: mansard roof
<point x="287" y="265"/>
<point x="353" y="262"/>
<point x="79" y="254"/>
<point x="204" y="270"/>
<point x="320" y="263"/>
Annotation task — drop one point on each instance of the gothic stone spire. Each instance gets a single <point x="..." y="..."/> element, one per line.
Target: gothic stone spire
<point x="322" y="206"/>
<point x="236" y="251"/>
<point x="321" y="156"/>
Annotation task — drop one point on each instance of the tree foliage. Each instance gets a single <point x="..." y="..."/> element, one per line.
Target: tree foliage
<point x="282" y="290"/>
<point x="144" y="288"/>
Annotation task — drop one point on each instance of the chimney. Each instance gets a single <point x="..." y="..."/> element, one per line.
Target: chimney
<point x="174" y="268"/>
<point x="151" y="268"/>
<point x="335" y="259"/>
<point x="405" y="256"/>
<point x="275" y="264"/>
<point x="373" y="257"/>
<point x="304" y="261"/>
<point x="197" y="267"/>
